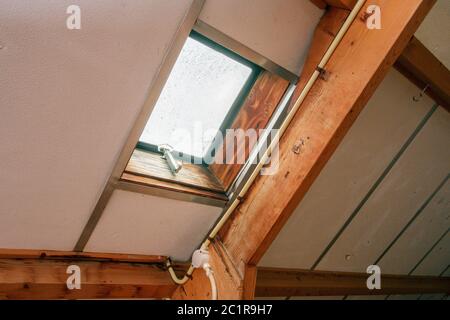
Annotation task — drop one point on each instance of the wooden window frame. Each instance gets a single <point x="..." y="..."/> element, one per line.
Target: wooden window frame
<point x="252" y="109"/>
<point x="146" y="167"/>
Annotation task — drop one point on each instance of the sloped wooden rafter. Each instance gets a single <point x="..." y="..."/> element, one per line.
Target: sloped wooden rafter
<point x="355" y="70"/>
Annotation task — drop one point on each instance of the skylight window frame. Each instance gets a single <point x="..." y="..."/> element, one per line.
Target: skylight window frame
<point x="234" y="108"/>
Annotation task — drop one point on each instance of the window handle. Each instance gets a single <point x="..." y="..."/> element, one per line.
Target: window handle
<point x="174" y="165"/>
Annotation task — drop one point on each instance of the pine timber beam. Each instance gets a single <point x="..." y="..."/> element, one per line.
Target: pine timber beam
<point x="25" y="274"/>
<point x="423" y="69"/>
<point x="77" y="256"/>
<point x="355" y="70"/>
<point x="244" y="280"/>
<point x="230" y="283"/>
<point x="274" y="282"/>
<point x="353" y="73"/>
<point x="343" y="4"/>
<point x="28" y="275"/>
<point x="416" y="62"/>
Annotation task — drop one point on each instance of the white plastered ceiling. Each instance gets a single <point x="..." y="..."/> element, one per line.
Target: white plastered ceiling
<point x="69" y="98"/>
<point x="279" y="30"/>
<point x="143" y="224"/>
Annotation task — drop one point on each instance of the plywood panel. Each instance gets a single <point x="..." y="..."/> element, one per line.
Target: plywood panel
<point x="318" y="298"/>
<point x="142" y="224"/>
<point x="437" y="260"/>
<point x="68" y="100"/>
<point x="404" y="297"/>
<point x="431" y="32"/>
<point x="439" y="296"/>
<point x="278" y="30"/>
<point x="380" y="297"/>
<point x="377" y="135"/>
<point x="422" y="234"/>
<point x="433" y="263"/>
<point x="414" y="177"/>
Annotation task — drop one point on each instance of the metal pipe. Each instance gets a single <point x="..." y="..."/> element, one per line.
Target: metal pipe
<point x="268" y="151"/>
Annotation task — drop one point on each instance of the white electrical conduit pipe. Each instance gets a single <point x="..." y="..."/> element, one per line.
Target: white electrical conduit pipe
<point x="282" y="129"/>
<point x="212" y="280"/>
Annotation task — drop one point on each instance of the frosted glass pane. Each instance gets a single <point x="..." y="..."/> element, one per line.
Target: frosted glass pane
<point x="200" y="91"/>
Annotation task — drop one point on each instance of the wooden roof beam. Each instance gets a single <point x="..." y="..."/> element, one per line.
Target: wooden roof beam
<point x="355" y="70"/>
<point x="274" y="282"/>
<point x="423" y="69"/>
<point x="353" y="73"/>
<point x="46" y="279"/>
<point x="343" y="4"/>
<point x="89" y="256"/>
<point x="29" y="274"/>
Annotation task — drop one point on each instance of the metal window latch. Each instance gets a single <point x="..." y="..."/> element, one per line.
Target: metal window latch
<point x="174" y="165"/>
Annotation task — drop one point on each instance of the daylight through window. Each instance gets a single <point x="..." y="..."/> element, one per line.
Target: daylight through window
<point x="205" y="87"/>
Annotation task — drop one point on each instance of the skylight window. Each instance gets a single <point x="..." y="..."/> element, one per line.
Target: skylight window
<point x="206" y="86"/>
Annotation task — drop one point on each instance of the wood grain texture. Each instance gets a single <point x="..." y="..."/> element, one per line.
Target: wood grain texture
<point x="92" y="256"/>
<point x="273" y="282"/>
<point x="329" y="25"/>
<point x="229" y="281"/>
<point x="134" y="182"/>
<point x="343" y="4"/>
<point x="321" y="4"/>
<point x="255" y="113"/>
<point x="46" y="279"/>
<point x="152" y="165"/>
<point x="356" y="68"/>
<point x="250" y="278"/>
<point x="421" y="67"/>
